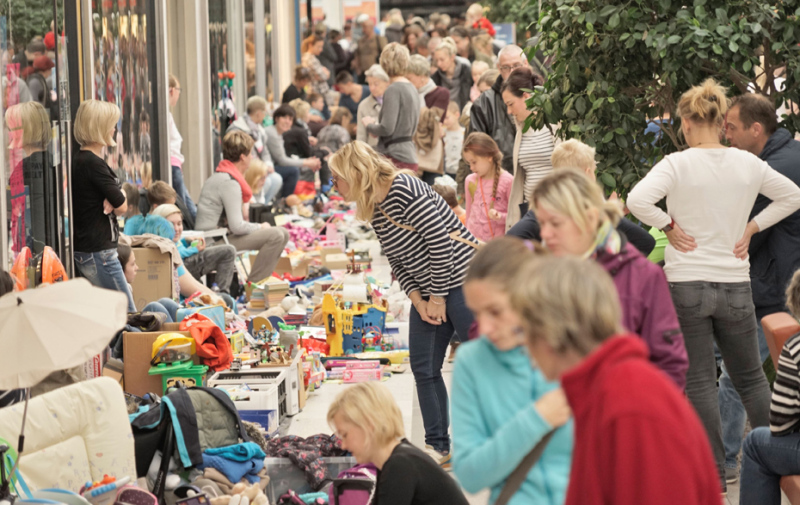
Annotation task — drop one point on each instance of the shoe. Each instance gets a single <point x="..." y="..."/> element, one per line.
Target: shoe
<point x="442" y="459"/>
<point x="731" y="475"/>
<point x="453" y="347"/>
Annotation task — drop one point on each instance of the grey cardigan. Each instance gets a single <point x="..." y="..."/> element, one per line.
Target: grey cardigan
<point x="220" y="198"/>
<point x="277" y="151"/>
<point x="398" y="118"/>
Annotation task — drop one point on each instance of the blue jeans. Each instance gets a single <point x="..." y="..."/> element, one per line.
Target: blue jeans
<point x="164" y="306"/>
<point x="721" y="313"/>
<point x="104" y="270"/>
<point x="290" y="177"/>
<point x="767" y="458"/>
<point x="428" y="345"/>
<point x="180" y="187"/>
<point x="731" y="409"/>
<point x="272" y="186"/>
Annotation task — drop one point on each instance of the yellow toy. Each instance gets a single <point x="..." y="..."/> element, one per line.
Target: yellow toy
<point x="346" y="323"/>
<point x="172" y="348"/>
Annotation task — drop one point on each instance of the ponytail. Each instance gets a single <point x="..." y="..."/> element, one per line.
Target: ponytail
<point x="705" y="103"/>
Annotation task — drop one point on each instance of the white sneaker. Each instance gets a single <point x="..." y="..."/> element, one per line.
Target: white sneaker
<point x="442" y="459"/>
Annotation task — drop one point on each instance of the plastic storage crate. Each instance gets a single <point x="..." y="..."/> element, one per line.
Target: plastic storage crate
<point x="284" y="475"/>
<point x="262" y="405"/>
<point x="254" y="378"/>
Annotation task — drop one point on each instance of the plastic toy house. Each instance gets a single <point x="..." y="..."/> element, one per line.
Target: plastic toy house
<point x="346" y="323"/>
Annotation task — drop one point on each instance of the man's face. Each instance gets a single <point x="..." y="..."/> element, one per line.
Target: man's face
<point x="739" y="136"/>
<point x="508" y="63"/>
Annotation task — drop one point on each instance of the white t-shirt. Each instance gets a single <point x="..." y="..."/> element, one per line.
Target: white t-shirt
<point x="710" y="194"/>
<point x="453" y="142"/>
<point x="535" y="151"/>
<point x="175" y="141"/>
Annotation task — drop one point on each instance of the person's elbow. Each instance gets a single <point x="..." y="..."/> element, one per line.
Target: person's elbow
<point x="122" y="209"/>
<point x="467" y="475"/>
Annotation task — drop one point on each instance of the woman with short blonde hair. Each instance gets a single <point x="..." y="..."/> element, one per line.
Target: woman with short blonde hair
<point x="429" y="250"/>
<point x="399" y="115"/>
<point x="452" y="73"/>
<point x="419" y="73"/>
<point x="369" y="424"/>
<point x="625" y="410"/>
<point x="576" y="220"/>
<point x="97" y="199"/>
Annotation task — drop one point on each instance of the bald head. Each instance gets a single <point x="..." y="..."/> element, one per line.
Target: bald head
<point x="510" y="57"/>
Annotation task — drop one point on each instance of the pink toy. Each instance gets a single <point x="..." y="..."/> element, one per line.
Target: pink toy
<point x="362" y="365"/>
<point x="353" y="376"/>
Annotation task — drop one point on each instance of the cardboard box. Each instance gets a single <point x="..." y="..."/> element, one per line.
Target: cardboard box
<point x="334" y="258"/>
<point x="154" y="280"/>
<point x="114" y="368"/>
<point x="299" y="270"/>
<point x="138" y="351"/>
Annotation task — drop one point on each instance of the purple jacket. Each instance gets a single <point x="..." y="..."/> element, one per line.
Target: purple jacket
<point x="647" y="309"/>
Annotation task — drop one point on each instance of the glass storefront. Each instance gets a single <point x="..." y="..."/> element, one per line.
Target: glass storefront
<point x="122" y="77"/>
<point x="34" y="161"/>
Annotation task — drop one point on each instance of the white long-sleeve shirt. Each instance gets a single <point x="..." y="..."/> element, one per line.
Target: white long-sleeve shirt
<point x="175" y="142"/>
<point x="710" y="193"/>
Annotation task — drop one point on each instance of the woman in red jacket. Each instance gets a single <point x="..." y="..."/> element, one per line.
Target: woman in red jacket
<point x="637" y="439"/>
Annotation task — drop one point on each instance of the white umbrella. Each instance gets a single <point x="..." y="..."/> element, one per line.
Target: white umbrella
<point x="54" y="328"/>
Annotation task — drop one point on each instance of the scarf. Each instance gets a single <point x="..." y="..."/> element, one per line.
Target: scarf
<point x="607" y="241"/>
<point x="426" y="88"/>
<point x="226" y="167"/>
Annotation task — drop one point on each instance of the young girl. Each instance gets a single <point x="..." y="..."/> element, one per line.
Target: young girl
<point x="127" y="259"/>
<point x="501" y="406"/>
<point x="369" y="423"/>
<point x="488" y="188"/>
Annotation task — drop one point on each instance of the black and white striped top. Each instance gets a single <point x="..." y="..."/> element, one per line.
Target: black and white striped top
<point x="427" y="259"/>
<point x="535" y="150"/>
<point x="784" y="412"/>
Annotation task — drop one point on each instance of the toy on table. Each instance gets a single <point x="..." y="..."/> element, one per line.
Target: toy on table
<point x="313" y="371"/>
<point x="375" y="341"/>
<point x="99" y="492"/>
<point x="350" y="315"/>
<point x="172" y="360"/>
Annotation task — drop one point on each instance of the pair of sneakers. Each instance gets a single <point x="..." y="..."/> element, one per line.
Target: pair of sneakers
<point x="443" y="459"/>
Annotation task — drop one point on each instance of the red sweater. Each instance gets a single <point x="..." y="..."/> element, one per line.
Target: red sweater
<point x="637" y="439"/>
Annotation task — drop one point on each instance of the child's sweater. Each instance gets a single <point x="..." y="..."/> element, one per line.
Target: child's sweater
<point x="479" y="202"/>
<point x="185" y="250"/>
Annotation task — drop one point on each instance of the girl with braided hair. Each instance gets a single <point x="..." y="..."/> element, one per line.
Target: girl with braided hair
<point x="488" y="187"/>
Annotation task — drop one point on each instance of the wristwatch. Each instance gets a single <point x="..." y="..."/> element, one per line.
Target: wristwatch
<point x="669" y="227"/>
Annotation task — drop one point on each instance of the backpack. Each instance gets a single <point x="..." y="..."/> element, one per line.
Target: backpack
<point x="354" y="486"/>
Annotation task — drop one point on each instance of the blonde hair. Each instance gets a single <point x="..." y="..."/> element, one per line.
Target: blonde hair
<point x="571" y="304"/>
<point x="489" y="77"/>
<point x="475" y="10"/>
<point x="453" y="108"/>
<point x="705" y="103"/>
<point x="173" y="81"/>
<point x="93" y="121"/>
<point x="255" y="104"/>
<point x="377" y="72"/>
<point x="449" y="45"/>
<point x="235" y="144"/>
<point x="372" y="407"/>
<point x="572" y="153"/>
<point x="570" y="193"/>
<point x="254" y="172"/>
<point x="394" y="59"/>
<point x="165" y="210"/>
<point x="301" y="107"/>
<point x="367" y="172"/>
<point x="34" y="121"/>
<point x="482" y="40"/>
<point x="793" y="295"/>
<point x="419" y="65"/>
<point x="478" y="64"/>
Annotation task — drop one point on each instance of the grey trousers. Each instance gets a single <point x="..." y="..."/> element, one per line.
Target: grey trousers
<point x="218" y="258"/>
<point x="724" y="313"/>
<point x="269" y="243"/>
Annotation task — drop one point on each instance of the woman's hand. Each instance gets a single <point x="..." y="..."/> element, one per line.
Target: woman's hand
<point x="680" y="240"/>
<point x="107" y="207"/>
<point x="437" y="310"/>
<point x="424" y="309"/>
<point x="553" y="408"/>
<point x="494" y="215"/>
<point x="368" y="120"/>
<point x="743" y="245"/>
<point x="313" y="141"/>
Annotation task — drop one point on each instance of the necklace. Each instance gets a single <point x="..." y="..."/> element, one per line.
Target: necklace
<point x="703" y="143"/>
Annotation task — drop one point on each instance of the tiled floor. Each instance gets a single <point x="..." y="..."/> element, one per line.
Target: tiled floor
<point x="312" y="419"/>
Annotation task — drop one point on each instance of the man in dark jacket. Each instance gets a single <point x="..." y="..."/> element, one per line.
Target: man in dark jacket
<point x="752" y="126"/>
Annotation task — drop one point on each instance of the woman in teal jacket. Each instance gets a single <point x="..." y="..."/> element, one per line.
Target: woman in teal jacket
<point x="501" y="407"/>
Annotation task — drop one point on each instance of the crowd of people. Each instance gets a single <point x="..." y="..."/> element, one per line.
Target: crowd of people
<point x="588" y="372"/>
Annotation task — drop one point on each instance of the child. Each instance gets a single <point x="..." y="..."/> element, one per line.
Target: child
<point x="488" y="187"/>
<point x="128" y="262"/>
<point x="449" y="195"/>
<point x="453" y="134"/>
<point x="317" y="104"/>
<point x="198" y="259"/>
<point x="478" y="68"/>
<point x="369" y="423"/>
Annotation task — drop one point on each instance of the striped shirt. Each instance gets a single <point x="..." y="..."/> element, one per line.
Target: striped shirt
<point x="784" y="412"/>
<point x="426" y="259"/>
<point x="535" y="150"/>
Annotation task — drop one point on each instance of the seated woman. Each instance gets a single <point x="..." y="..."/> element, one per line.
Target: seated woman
<point x="221" y="203"/>
<point x="335" y="135"/>
<point x="285" y="165"/>
<point x="632" y="425"/>
<point x="265" y="187"/>
<point x="501" y="406"/>
<point x="165" y="306"/>
<point x="369" y="423"/>
<point x="771" y="453"/>
<point x="199" y="259"/>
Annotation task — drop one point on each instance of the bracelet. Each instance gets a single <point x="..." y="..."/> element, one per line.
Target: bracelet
<point x="436" y="303"/>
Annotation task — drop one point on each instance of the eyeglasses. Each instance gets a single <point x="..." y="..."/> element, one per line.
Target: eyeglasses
<point x="510" y="68"/>
<point x="335" y="179"/>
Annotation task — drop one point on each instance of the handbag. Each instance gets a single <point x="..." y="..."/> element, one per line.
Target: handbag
<point x="520" y="473"/>
<point x="432" y="160"/>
